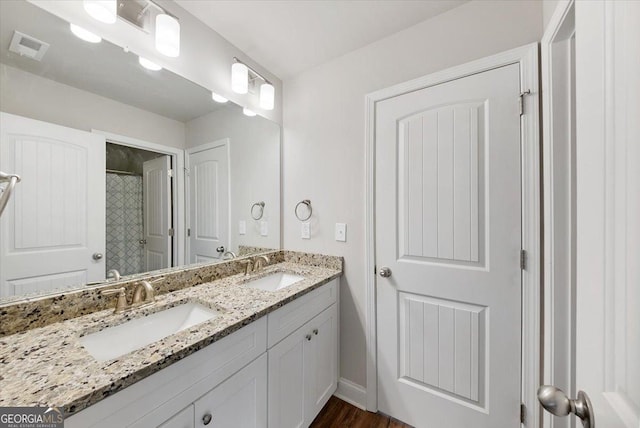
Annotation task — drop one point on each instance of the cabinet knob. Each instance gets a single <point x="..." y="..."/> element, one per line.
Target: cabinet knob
<point x="308" y="337"/>
<point x="315" y="331"/>
<point x="206" y="419"/>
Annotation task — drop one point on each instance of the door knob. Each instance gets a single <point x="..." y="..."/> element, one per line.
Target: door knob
<point x="385" y="272"/>
<point x="556" y="402"/>
<point x="97" y="256"/>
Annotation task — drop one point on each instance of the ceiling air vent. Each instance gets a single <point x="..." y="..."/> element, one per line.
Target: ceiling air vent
<point x="28" y="46"/>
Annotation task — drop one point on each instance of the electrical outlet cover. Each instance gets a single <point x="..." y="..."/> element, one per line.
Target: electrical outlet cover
<point x="341" y="232"/>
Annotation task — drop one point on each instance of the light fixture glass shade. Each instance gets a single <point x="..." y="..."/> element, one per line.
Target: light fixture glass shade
<point x="239" y="78"/>
<point x="149" y="65"/>
<point x="85" y="35"/>
<point x="248" y="112"/>
<point x="167" y="35"/>
<point x="103" y="10"/>
<point x="218" y="98"/>
<point x="267" y="96"/>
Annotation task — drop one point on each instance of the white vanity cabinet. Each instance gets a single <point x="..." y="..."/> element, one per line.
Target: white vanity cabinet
<point x="276" y="372"/>
<point x="303" y="371"/>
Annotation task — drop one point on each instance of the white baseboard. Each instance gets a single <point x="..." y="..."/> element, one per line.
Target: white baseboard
<point x="352" y="393"/>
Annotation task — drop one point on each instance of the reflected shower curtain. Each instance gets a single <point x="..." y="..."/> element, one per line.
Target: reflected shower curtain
<point x="124" y="251"/>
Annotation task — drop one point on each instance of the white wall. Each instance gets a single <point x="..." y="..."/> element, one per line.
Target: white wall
<point x="548" y="7"/>
<point x="29" y="95"/>
<point x="324" y="140"/>
<point x="255" y="169"/>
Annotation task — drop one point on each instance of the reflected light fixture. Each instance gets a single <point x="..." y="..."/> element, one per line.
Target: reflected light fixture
<point x="218" y="98"/>
<point x="85" y="35"/>
<point x="149" y="65"/>
<point x="168" y="35"/>
<point x="239" y="78"/>
<point x="103" y="10"/>
<point x="248" y="112"/>
<point x="267" y="96"/>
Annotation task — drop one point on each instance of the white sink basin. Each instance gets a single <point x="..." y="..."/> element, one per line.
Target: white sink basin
<point x="121" y="339"/>
<point x="275" y="281"/>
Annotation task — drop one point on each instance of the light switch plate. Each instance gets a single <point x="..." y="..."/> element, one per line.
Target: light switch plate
<point x="341" y="232"/>
<point x="264" y="228"/>
<point x="242" y="227"/>
<point x="305" y="232"/>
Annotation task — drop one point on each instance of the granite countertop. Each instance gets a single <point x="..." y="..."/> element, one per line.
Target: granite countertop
<point x="48" y="366"/>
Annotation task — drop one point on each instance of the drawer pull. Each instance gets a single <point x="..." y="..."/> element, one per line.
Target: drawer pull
<point x="308" y="336"/>
<point x="206" y="419"/>
<point x="315" y="331"/>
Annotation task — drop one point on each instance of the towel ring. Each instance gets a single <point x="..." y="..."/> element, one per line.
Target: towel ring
<point x="260" y="205"/>
<point x="306" y="202"/>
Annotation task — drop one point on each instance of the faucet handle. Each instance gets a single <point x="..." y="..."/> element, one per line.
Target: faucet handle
<point x="121" y="303"/>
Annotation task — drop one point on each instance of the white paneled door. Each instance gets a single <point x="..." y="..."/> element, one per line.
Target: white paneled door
<point x="52" y="233"/>
<point x="208" y="169"/>
<point x="156" y="180"/>
<point x="448" y="241"/>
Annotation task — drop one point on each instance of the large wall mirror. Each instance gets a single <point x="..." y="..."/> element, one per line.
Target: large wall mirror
<point x="122" y="167"/>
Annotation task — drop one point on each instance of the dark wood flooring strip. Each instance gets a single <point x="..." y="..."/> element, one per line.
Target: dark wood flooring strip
<point x="340" y="414"/>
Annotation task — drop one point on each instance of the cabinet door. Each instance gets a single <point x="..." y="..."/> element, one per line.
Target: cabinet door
<point x="238" y="402"/>
<point x="286" y="381"/>
<point x="183" y="419"/>
<point x="321" y="356"/>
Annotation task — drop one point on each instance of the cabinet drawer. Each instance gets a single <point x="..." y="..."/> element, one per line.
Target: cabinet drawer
<point x="293" y="315"/>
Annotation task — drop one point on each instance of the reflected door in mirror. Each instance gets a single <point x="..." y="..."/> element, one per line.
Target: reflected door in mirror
<point x="157" y="213"/>
<point x="55" y="224"/>
<point x="208" y="167"/>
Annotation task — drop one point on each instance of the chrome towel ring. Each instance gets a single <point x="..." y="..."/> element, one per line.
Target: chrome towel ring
<point x="260" y="211"/>
<point x="306" y="202"/>
<point x="13" y="179"/>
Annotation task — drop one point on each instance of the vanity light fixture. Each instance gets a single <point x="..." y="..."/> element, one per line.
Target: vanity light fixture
<point x="239" y="78"/>
<point x="218" y="98"/>
<point x="267" y="96"/>
<point x="103" y="10"/>
<point x="248" y="112"/>
<point x="85" y="35"/>
<point x="149" y="65"/>
<point x="167" y="35"/>
<point x="242" y="74"/>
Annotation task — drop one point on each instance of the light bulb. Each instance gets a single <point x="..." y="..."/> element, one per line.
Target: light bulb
<point x="149" y="65"/>
<point x="218" y="98"/>
<point x="267" y="96"/>
<point x="167" y="35"/>
<point x="239" y="78"/>
<point x="248" y="112"/>
<point x="103" y="10"/>
<point x="85" y="35"/>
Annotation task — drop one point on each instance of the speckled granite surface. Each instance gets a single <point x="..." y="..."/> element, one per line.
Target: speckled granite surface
<point x="40" y="310"/>
<point x="49" y="366"/>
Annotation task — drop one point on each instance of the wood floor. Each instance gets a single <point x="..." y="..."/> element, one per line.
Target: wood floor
<point x="340" y="414"/>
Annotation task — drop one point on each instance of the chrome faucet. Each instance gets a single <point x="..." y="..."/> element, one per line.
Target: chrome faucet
<point x="113" y="273"/>
<point x="260" y="262"/>
<point x="229" y="255"/>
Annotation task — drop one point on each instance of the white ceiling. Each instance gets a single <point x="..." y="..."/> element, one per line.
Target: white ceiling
<point x="290" y="36"/>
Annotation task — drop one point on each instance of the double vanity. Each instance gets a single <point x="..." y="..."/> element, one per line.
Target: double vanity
<point x="215" y="345"/>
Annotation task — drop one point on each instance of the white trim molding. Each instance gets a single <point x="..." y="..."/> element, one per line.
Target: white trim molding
<point x="352" y="393"/>
<point x="527" y="58"/>
<point x="178" y="184"/>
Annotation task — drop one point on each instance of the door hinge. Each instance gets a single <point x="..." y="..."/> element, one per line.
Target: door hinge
<point x="186" y="172"/>
<point x="189" y="232"/>
<point x="521" y="100"/>
<point x="523" y="413"/>
<point x="170" y="172"/>
<point x="523" y="259"/>
<point x="171" y="232"/>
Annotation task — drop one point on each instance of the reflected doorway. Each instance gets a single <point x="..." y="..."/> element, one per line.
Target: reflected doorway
<point x="139" y="207"/>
